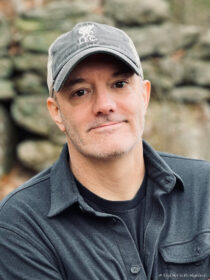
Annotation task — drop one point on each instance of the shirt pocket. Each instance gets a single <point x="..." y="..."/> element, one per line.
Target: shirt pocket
<point x="187" y="259"/>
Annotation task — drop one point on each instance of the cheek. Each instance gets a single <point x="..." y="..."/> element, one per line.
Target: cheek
<point x="140" y="104"/>
<point x="134" y="106"/>
<point x="76" y="119"/>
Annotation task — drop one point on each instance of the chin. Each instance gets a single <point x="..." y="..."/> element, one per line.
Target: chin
<point x="109" y="148"/>
<point x="109" y="155"/>
<point x="115" y="151"/>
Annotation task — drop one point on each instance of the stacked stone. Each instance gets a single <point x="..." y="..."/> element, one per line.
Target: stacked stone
<point x="7" y="93"/>
<point x="175" y="59"/>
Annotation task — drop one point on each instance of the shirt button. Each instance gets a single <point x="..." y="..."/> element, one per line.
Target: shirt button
<point x="197" y="251"/>
<point x="135" y="269"/>
<point x="81" y="208"/>
<point x="114" y="221"/>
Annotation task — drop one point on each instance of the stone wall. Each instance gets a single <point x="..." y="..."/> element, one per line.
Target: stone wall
<point x="175" y="58"/>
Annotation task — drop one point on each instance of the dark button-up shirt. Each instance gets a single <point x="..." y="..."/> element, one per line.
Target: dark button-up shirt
<point x="131" y="212"/>
<point x="48" y="231"/>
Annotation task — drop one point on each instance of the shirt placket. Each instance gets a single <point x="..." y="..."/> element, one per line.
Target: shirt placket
<point x="125" y="243"/>
<point x="128" y="250"/>
<point x="154" y="223"/>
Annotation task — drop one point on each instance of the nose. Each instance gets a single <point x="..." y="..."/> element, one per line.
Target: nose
<point x="104" y="103"/>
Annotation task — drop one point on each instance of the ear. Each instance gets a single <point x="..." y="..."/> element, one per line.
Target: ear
<point x="147" y="91"/>
<point x="55" y="113"/>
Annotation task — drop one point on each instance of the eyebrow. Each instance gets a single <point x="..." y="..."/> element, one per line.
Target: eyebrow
<point x="121" y="72"/>
<point x="73" y="82"/>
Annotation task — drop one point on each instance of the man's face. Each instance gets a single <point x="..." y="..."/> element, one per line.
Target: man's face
<point x="101" y="108"/>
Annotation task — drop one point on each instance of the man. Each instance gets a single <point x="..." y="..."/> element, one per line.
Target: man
<point x="111" y="207"/>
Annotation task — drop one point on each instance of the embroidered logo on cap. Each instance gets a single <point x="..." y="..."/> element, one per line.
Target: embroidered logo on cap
<point x="87" y="34"/>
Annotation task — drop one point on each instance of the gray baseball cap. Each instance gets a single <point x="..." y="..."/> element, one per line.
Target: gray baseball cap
<point x="85" y="39"/>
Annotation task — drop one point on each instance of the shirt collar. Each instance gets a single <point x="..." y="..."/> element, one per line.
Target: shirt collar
<point x="160" y="171"/>
<point x="64" y="191"/>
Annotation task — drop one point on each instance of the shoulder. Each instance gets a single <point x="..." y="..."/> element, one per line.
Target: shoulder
<point x="194" y="172"/>
<point x="177" y="161"/>
<point x="33" y="195"/>
<point x="193" y="204"/>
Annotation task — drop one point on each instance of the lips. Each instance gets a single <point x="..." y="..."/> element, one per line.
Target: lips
<point x="106" y="124"/>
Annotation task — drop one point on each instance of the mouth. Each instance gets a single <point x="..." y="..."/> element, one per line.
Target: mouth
<point x="107" y="125"/>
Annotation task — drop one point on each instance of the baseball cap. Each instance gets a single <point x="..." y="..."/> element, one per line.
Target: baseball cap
<point x="85" y="39"/>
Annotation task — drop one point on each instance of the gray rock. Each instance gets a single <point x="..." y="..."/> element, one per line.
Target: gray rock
<point x="31" y="62"/>
<point x="163" y="39"/>
<point x="32" y="25"/>
<point x="7" y="91"/>
<point x="7" y="141"/>
<point x="62" y="10"/>
<point x="62" y="16"/>
<point x="27" y="25"/>
<point x="190" y="94"/>
<point x="202" y="48"/>
<point x="137" y="12"/>
<point x="30" y="84"/>
<point x="30" y="113"/>
<point x="204" y="45"/>
<point x="66" y="26"/>
<point x="181" y="71"/>
<point x="39" y="41"/>
<point x="56" y="136"/>
<point x="172" y="68"/>
<point x="197" y="72"/>
<point x="162" y="82"/>
<point x="38" y="155"/>
<point x="182" y="129"/>
<point x="5" y="38"/>
<point x="6" y="67"/>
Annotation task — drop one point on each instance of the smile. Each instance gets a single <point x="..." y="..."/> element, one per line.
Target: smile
<point x="108" y="126"/>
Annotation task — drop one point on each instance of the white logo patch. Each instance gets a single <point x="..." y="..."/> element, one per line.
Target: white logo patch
<point x="87" y="34"/>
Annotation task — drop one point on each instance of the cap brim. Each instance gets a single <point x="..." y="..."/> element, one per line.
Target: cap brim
<point x="72" y="62"/>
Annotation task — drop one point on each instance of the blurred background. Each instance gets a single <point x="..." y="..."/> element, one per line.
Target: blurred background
<point x="173" y="40"/>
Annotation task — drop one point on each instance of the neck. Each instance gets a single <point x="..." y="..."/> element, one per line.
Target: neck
<point x="112" y="179"/>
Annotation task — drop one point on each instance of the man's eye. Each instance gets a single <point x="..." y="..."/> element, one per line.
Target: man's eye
<point x="120" y="84"/>
<point x="79" y="93"/>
